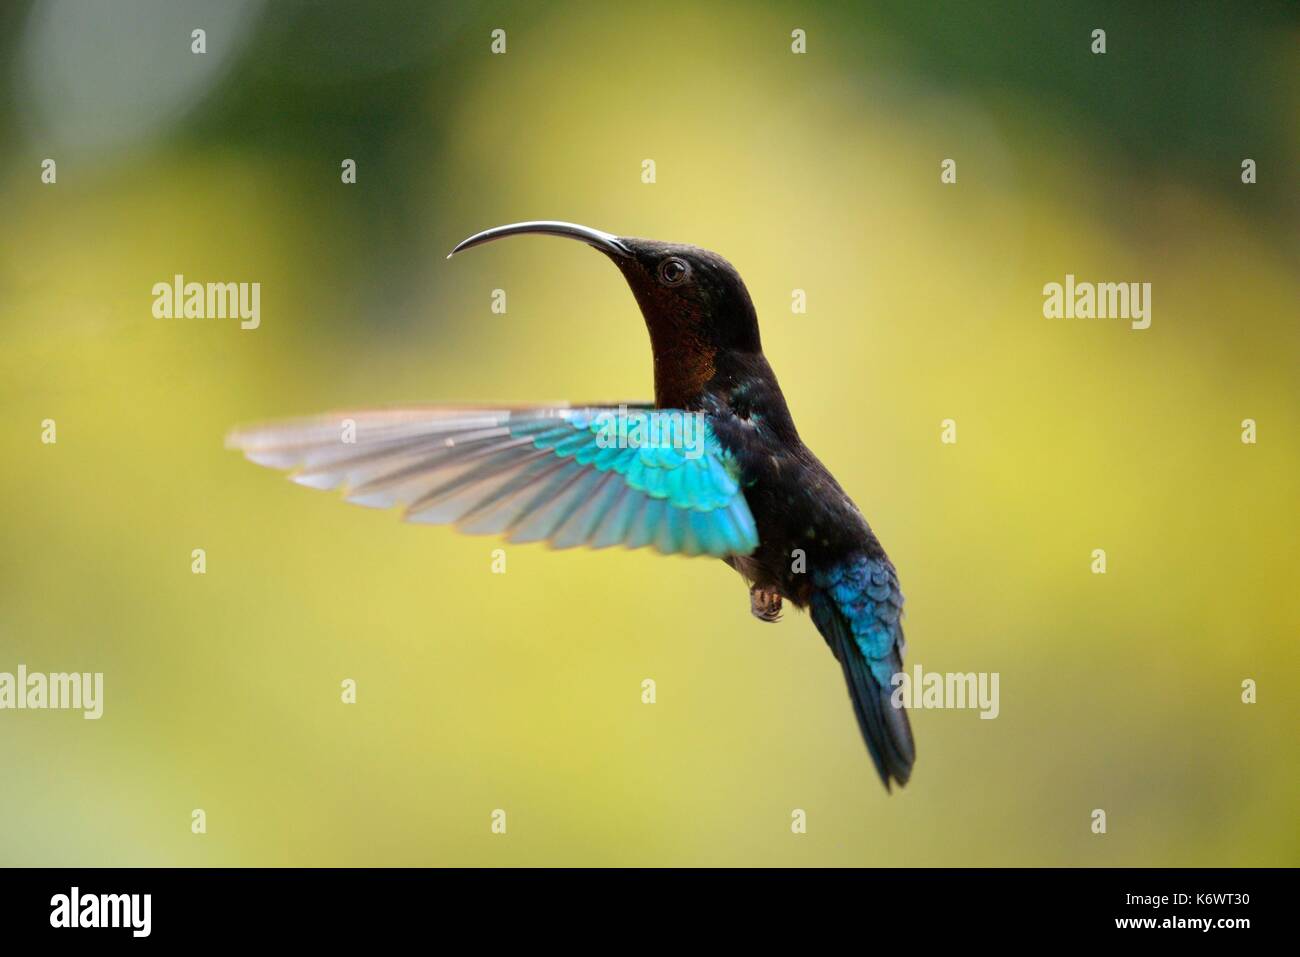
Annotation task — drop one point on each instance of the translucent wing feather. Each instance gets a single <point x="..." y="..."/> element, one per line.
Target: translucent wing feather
<point x="594" y="476"/>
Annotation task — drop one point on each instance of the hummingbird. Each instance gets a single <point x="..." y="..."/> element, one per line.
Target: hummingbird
<point x="725" y="475"/>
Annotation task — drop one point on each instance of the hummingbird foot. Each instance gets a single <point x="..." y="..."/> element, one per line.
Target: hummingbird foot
<point x="764" y="604"/>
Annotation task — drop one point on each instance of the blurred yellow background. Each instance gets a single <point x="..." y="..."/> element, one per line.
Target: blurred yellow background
<point x="522" y="691"/>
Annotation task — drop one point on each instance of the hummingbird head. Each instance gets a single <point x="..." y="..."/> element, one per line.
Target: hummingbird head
<point x="696" y="306"/>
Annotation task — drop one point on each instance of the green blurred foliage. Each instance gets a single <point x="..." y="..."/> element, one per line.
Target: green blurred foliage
<point x="522" y="691"/>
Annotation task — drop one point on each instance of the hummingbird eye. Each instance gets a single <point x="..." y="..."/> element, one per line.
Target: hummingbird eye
<point x="672" y="271"/>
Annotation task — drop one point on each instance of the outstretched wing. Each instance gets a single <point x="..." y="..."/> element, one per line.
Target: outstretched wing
<point x="595" y="476"/>
<point x="857" y="606"/>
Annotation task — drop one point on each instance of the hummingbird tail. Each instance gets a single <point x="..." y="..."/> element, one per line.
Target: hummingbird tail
<point x="885" y="728"/>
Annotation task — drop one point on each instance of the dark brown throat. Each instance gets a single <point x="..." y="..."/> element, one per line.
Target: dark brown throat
<point x="684" y="364"/>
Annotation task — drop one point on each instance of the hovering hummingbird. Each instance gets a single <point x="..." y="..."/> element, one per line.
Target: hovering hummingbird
<point x="747" y="490"/>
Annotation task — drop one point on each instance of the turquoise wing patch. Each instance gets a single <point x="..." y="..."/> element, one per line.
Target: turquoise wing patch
<point x="665" y="478"/>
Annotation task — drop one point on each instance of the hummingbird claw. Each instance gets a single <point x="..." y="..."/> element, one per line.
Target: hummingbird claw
<point x="765" y="604"/>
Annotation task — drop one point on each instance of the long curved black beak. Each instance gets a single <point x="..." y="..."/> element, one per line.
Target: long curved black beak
<point x="605" y="242"/>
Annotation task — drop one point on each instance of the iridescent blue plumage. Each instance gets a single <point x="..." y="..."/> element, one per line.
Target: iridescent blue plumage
<point x="857" y="605"/>
<point x="865" y="591"/>
<point x="695" y="501"/>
